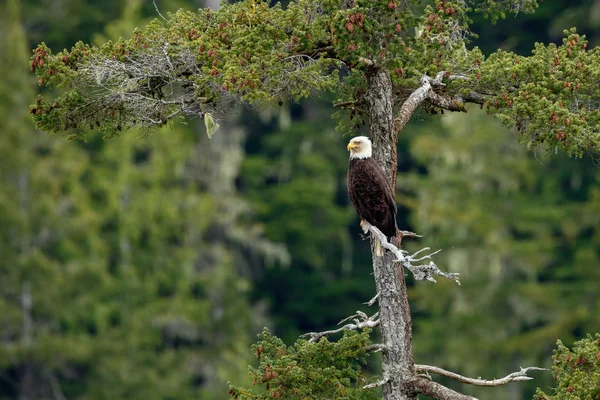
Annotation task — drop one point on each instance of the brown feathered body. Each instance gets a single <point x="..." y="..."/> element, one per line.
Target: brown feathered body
<point x="372" y="195"/>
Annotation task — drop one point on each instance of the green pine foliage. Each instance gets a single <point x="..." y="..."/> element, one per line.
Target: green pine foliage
<point x="308" y="370"/>
<point x="551" y="98"/>
<point x="197" y="63"/>
<point x="576" y="372"/>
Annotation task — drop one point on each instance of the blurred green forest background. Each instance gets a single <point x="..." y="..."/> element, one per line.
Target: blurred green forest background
<point x="143" y="267"/>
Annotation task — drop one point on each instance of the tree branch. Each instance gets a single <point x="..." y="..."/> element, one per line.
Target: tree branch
<point x="427" y="93"/>
<point x="420" y="272"/>
<point x="415" y="99"/>
<point x="446" y="103"/>
<point x="345" y="104"/>
<point x="435" y="390"/>
<point x="359" y="323"/>
<point x="474" y="97"/>
<point x="373" y="300"/>
<point x="385" y="379"/>
<point x="514" y="377"/>
<point x="158" y="11"/>
<point x="375" y="348"/>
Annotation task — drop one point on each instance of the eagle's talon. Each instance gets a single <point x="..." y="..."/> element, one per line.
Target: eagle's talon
<point x="364" y="226"/>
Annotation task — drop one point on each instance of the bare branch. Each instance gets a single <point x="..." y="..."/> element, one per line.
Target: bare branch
<point x="430" y="91"/>
<point x="410" y="234"/>
<point x="446" y="103"/>
<point x="415" y="99"/>
<point x="514" y="377"/>
<point x="158" y="11"/>
<point x="375" y="348"/>
<point x="359" y="323"/>
<point x="420" y="272"/>
<point x="385" y="379"/>
<point x="458" y="77"/>
<point x="435" y="390"/>
<point x="474" y="97"/>
<point x="373" y="300"/>
<point x="345" y="104"/>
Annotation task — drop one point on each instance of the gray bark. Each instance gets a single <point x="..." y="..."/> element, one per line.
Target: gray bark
<point x="435" y="390"/>
<point x="381" y="124"/>
<point x="394" y="312"/>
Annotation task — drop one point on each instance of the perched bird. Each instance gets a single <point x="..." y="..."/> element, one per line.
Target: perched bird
<point x="370" y="191"/>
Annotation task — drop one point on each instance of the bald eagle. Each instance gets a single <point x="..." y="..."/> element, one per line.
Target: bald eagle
<point x="370" y="191"/>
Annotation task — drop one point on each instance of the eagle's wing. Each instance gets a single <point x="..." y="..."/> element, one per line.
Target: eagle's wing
<point x="372" y="195"/>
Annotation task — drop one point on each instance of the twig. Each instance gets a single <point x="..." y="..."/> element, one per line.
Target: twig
<point x="420" y="272"/>
<point x="514" y="377"/>
<point x="345" y="104"/>
<point x="373" y="300"/>
<point x="158" y="11"/>
<point x="359" y="323"/>
<point x="410" y="234"/>
<point x="458" y="77"/>
<point x="375" y="348"/>
<point x="381" y="382"/>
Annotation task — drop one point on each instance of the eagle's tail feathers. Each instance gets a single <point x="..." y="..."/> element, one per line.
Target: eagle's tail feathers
<point x="378" y="248"/>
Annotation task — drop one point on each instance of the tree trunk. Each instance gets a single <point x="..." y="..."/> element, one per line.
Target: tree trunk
<point x="398" y="364"/>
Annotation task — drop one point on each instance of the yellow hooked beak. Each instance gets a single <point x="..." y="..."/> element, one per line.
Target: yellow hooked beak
<point x="351" y="146"/>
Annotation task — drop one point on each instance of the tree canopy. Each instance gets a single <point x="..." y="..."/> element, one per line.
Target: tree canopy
<point x="197" y="63"/>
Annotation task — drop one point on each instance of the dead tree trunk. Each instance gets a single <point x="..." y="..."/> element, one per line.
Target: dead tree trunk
<point x="394" y="313"/>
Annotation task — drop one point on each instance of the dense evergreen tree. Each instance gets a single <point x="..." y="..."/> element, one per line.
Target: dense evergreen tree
<point x="576" y="372"/>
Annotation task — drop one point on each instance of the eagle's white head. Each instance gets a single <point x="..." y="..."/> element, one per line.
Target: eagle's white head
<point x="360" y="147"/>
